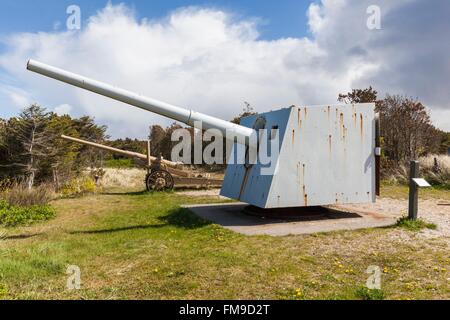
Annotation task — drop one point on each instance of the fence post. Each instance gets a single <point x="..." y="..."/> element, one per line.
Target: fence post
<point x="413" y="190"/>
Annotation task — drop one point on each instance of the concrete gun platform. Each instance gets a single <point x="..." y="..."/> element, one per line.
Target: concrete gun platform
<point x="327" y="219"/>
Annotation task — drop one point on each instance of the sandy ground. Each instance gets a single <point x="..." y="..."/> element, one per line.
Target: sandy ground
<point x="429" y="210"/>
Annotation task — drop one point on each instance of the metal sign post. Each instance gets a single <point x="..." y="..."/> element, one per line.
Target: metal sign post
<point x="414" y="184"/>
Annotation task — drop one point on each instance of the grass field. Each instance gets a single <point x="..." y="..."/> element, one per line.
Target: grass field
<point x="141" y="246"/>
<point x="401" y="192"/>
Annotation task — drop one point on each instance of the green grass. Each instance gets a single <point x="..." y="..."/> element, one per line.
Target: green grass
<point x="119" y="163"/>
<point x="415" y="225"/>
<point x="11" y="216"/>
<point x="370" y="294"/>
<point x="145" y="246"/>
<point x="397" y="191"/>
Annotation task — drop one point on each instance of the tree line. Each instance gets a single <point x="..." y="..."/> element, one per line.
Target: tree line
<point x="31" y="149"/>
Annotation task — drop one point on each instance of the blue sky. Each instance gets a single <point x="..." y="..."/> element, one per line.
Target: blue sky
<point x="283" y="18"/>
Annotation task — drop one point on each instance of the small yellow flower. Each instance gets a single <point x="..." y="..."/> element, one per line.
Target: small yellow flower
<point x="349" y="271"/>
<point x="410" y="286"/>
<point x="386" y="270"/>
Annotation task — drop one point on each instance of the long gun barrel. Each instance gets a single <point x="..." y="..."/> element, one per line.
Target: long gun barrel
<point x="129" y="154"/>
<point x="189" y="117"/>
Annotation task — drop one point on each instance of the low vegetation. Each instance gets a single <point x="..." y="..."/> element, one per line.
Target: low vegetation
<point x="20" y="205"/>
<point x="415" y="225"/>
<point x="19" y="195"/>
<point x="401" y="191"/>
<point x="145" y="246"/>
<point x="119" y="163"/>
<point x="11" y="216"/>
<point x="123" y="179"/>
<point x="79" y="186"/>
<point x="434" y="168"/>
<point x="365" y="293"/>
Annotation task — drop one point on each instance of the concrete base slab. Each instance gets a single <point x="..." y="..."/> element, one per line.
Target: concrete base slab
<point x="231" y="216"/>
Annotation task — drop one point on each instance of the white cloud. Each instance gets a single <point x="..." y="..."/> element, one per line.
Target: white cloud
<point x="63" y="109"/>
<point x="17" y="97"/>
<point x="206" y="60"/>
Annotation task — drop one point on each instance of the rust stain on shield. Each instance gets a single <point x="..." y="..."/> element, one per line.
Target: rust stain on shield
<point x="244" y="182"/>
<point x="330" y="138"/>
<point x="362" y="125"/>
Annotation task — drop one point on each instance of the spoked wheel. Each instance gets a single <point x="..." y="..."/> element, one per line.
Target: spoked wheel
<point x="159" y="180"/>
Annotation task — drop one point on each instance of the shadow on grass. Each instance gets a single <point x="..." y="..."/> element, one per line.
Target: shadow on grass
<point x="127" y="193"/>
<point x="185" y="219"/>
<point x="21" y="236"/>
<point x="136" y="193"/>
<point x="180" y="218"/>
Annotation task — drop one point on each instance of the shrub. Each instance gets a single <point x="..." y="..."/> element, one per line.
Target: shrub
<point x="12" y="216"/>
<point x="79" y="186"/>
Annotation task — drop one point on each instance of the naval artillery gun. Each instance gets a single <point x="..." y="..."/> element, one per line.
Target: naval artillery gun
<point x="327" y="154"/>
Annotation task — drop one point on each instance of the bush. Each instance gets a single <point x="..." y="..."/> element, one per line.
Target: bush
<point x="79" y="186"/>
<point x="12" y="216"/>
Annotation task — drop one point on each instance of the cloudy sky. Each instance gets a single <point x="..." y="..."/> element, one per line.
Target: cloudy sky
<point x="214" y="56"/>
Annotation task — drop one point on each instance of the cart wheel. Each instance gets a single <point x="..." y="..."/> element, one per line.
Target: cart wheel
<point x="159" y="180"/>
